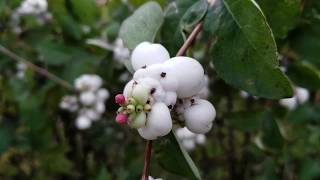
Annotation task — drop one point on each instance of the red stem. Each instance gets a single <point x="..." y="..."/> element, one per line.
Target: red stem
<point x="147" y="157"/>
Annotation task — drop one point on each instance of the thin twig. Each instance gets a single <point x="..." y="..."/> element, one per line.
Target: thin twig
<point x="36" y="68"/>
<point x="190" y="39"/>
<point x="147" y="157"/>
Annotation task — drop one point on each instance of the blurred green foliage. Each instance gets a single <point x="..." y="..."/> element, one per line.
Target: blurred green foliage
<point x="251" y="138"/>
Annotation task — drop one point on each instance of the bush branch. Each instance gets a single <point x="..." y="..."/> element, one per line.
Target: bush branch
<point x="36" y="68"/>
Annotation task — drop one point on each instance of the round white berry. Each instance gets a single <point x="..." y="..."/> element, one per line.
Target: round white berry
<point x="83" y="122"/>
<point x="127" y="91"/>
<point x="190" y="75"/>
<point x="170" y="98"/>
<point x="290" y="103"/>
<point x="159" y="122"/>
<point x="199" y="116"/>
<point x="92" y="114"/>
<point x="200" y="139"/>
<point x="100" y="107"/>
<point x="302" y="94"/>
<point x="155" y="88"/>
<point x="168" y="79"/>
<point x="147" y="53"/>
<point x="103" y="94"/>
<point x="87" y="98"/>
<point x="189" y="144"/>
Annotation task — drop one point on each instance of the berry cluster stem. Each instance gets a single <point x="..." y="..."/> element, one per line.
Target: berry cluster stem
<point x="181" y="52"/>
<point x="147" y="157"/>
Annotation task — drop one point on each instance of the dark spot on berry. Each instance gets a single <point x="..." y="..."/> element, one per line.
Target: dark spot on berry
<point x="135" y="82"/>
<point x="143" y="67"/>
<point x="170" y="106"/>
<point x="163" y="74"/>
<point x="148" y="102"/>
<point x="180" y="101"/>
<point x="153" y="90"/>
<point x="192" y="101"/>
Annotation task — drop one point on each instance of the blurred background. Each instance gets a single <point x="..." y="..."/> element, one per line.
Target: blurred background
<point x="46" y="134"/>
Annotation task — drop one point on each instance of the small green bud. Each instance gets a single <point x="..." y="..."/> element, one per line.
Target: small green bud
<point x="121" y="109"/>
<point x="147" y="107"/>
<point x="131" y="108"/>
<point x="139" y="108"/>
<point x="132" y="101"/>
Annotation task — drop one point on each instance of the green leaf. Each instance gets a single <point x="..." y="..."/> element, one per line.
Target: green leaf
<point x="282" y="15"/>
<point x="271" y="136"/>
<point x="304" y="74"/>
<point x="85" y="10"/>
<point x="248" y="121"/>
<point x="305" y="41"/>
<point x="174" y="158"/>
<point x="171" y="33"/>
<point x="68" y="25"/>
<point x="143" y="25"/>
<point x="194" y="15"/>
<point x="245" y="52"/>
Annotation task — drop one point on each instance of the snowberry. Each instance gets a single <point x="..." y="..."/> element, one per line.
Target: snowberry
<point x="88" y="82"/>
<point x="169" y="79"/>
<point x="146" y="54"/>
<point x="69" y="103"/>
<point x="189" y="144"/>
<point x="127" y="91"/>
<point x="200" y="139"/>
<point x="87" y="98"/>
<point x="121" y="118"/>
<point x="170" y="99"/>
<point x="92" y="114"/>
<point x="199" y="116"/>
<point x="103" y="94"/>
<point x="300" y="97"/>
<point x="189" y="75"/>
<point x="290" y="103"/>
<point x="204" y="92"/>
<point x="302" y="94"/>
<point x="159" y="122"/>
<point x="83" y="122"/>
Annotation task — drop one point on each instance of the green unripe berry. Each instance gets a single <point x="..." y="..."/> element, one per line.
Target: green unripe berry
<point x="139" y="108"/>
<point x="147" y="107"/>
<point x="139" y="121"/>
<point x="121" y="109"/>
<point x="131" y="108"/>
<point x="132" y="101"/>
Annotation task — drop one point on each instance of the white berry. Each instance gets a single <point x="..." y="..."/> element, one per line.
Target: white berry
<point x="199" y="116"/>
<point x="146" y="54"/>
<point x="190" y="75"/>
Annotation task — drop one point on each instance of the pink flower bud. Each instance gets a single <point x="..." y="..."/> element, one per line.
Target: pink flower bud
<point x="121" y="118"/>
<point x="120" y="99"/>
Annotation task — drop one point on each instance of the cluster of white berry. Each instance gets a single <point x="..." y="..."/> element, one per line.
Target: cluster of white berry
<point x="161" y="86"/>
<point x="37" y="8"/>
<point x="190" y="139"/>
<point x="90" y="103"/>
<point x="301" y="96"/>
<point x="21" y="70"/>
